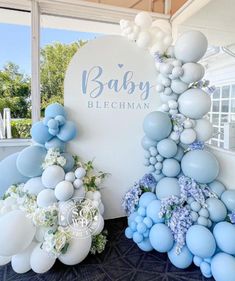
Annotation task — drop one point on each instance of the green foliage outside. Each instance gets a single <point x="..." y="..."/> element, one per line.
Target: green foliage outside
<point x="20" y="128"/>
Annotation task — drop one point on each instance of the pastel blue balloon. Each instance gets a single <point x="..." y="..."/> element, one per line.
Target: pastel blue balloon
<point x="167" y="187"/>
<point x="192" y="72"/>
<point x="197" y="260"/>
<point x="218" y="188"/>
<point x="141" y="227"/>
<point x="61" y="119"/>
<point x="158" y="177"/>
<point x="200" y="241"/>
<point x="133" y="226"/>
<point x="201" y="165"/>
<point x="157" y="125"/>
<point x="67" y="132"/>
<point x="146" y="198"/>
<point x="167" y="148"/>
<point x="223" y="267"/>
<point x="164" y="98"/>
<point x="206" y="269"/>
<point x="69" y="162"/>
<point x="141" y="211"/>
<point x="55" y="109"/>
<point x="145" y="245"/>
<point x="53" y="124"/>
<point x="171" y="167"/>
<point x="39" y="133"/>
<point x="139" y="219"/>
<point x="224" y="233"/>
<point x="217" y="209"/>
<point x="53" y="132"/>
<point x="147" y="143"/>
<point x="137" y="237"/>
<point x="55" y="143"/>
<point x="179" y="154"/>
<point x="182" y="260"/>
<point x="129" y="233"/>
<point x="190" y="46"/>
<point x="29" y="161"/>
<point x="148" y="221"/>
<point x="161" y="238"/>
<point x="9" y="173"/>
<point x="178" y="86"/>
<point x="228" y="197"/>
<point x="132" y="217"/>
<point x="153" y="210"/>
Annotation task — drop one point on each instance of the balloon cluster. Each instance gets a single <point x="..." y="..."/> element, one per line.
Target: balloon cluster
<point x="189" y="215"/>
<point x="51" y="205"/>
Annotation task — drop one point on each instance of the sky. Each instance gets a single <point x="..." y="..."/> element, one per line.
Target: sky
<point x="16" y="45"/>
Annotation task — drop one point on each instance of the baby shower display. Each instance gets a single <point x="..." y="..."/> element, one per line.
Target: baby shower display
<point x="179" y="207"/>
<point x="51" y="205"/>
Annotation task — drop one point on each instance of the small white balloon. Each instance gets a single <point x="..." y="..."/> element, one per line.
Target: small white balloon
<point x="157" y="48"/>
<point x="89" y="195"/>
<point x="4" y="260"/>
<point x="34" y="186"/>
<point x="192" y="72"/>
<point x="52" y="175"/>
<point x="70" y="177"/>
<point x="188" y="136"/>
<point x="46" y="198"/>
<point x="188" y="124"/>
<point x="167" y="40"/>
<point x="173" y="104"/>
<point x="144" y="39"/>
<point x="79" y="193"/>
<point x="203" y="129"/>
<point x="64" y="191"/>
<point x="178" y="86"/>
<point x="143" y="19"/>
<point x="77" y="183"/>
<point x="174" y="136"/>
<point x="165" y="107"/>
<point x="80" y="173"/>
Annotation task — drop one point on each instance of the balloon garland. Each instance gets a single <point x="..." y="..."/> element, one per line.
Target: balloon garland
<point x="51" y="206"/>
<point x="180" y="208"/>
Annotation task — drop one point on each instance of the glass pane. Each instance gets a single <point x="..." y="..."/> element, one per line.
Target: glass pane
<point x="233" y="91"/>
<point x="232" y="105"/>
<point x="215" y="106"/>
<point x="215" y="132"/>
<point x="225" y="91"/>
<point x="232" y="116"/>
<point x="216" y="94"/>
<point x="214" y="142"/>
<point x="224" y="106"/>
<point x="221" y="144"/>
<point x="224" y="119"/>
<point x="215" y="119"/>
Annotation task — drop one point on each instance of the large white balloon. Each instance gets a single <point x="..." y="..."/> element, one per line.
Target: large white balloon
<point x="192" y="72"/>
<point x="77" y="251"/>
<point x="34" y="186"/>
<point x="4" y="260"/>
<point x="97" y="226"/>
<point x="40" y="260"/>
<point x="144" y="39"/>
<point x="16" y="233"/>
<point x="143" y="19"/>
<point x="21" y="262"/>
<point x="203" y="129"/>
<point x="52" y="175"/>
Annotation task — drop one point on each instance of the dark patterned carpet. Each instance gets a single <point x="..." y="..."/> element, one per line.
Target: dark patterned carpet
<point x="121" y="261"/>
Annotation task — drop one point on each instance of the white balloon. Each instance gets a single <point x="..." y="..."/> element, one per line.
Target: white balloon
<point x="188" y="124"/>
<point x="97" y="195"/>
<point x="70" y="177"/>
<point x="157" y="48"/>
<point x="4" y="260"/>
<point x="80" y="173"/>
<point x="167" y="40"/>
<point x="79" y="193"/>
<point x="164" y="25"/>
<point x="143" y="19"/>
<point x="192" y="72"/>
<point x="34" y="186"/>
<point x="52" y="175"/>
<point x="40" y="260"/>
<point x="165" y="98"/>
<point x="9" y="201"/>
<point x="21" y="262"/>
<point x="188" y="136"/>
<point x="97" y="226"/>
<point x="203" y="129"/>
<point x="77" y="251"/>
<point x="101" y="208"/>
<point x="64" y="190"/>
<point x="66" y="212"/>
<point x="173" y="104"/>
<point x="165" y="107"/>
<point x="144" y="39"/>
<point x="16" y="233"/>
<point x="178" y="86"/>
<point x="46" y="198"/>
<point x="77" y="183"/>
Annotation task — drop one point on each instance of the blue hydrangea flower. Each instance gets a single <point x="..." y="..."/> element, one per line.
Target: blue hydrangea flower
<point x="131" y="199"/>
<point x="232" y="217"/>
<point x="148" y="181"/>
<point x="197" y="145"/>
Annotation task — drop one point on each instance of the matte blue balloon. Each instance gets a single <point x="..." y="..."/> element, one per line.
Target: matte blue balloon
<point x="197" y="260"/>
<point x="39" y="133"/>
<point x="171" y="167"/>
<point x="178" y="86"/>
<point x="223" y="267"/>
<point x="55" y="109"/>
<point x="182" y="260"/>
<point x="167" y="187"/>
<point x="55" y="143"/>
<point x="138" y="219"/>
<point x="60" y="119"/>
<point x="201" y="165"/>
<point x="224" y="233"/>
<point x="217" y="209"/>
<point x="146" y="198"/>
<point x="206" y="269"/>
<point x="67" y="132"/>
<point x="145" y="245"/>
<point x="179" y="154"/>
<point x="167" y="148"/>
<point x="192" y="72"/>
<point x="141" y="227"/>
<point x="69" y="162"/>
<point x="141" y="211"/>
<point x="147" y="143"/>
<point x="161" y="238"/>
<point x="158" y="177"/>
<point x="129" y="233"/>
<point x="9" y="173"/>
<point x="164" y="98"/>
<point x="137" y="237"/>
<point x="217" y="187"/>
<point x="148" y="221"/>
<point x="200" y="241"/>
<point x="53" y="124"/>
<point x="131" y="217"/>
<point x="133" y="226"/>
<point x="53" y="132"/>
<point x="228" y="197"/>
<point x="157" y="125"/>
<point x="29" y="161"/>
<point x="153" y="210"/>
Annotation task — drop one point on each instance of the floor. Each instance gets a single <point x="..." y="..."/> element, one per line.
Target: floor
<point x="121" y="261"/>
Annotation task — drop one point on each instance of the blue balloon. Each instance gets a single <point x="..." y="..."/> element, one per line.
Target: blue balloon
<point x="182" y="260"/>
<point x="217" y="187"/>
<point x="158" y="177"/>
<point x="131" y="218"/>
<point x="39" y="133"/>
<point x="146" y="198"/>
<point x="53" y="124"/>
<point x="153" y="210"/>
<point x="55" y="143"/>
<point x="167" y="148"/>
<point x="60" y="119"/>
<point x="137" y="237"/>
<point x="206" y="269"/>
<point x="69" y="162"/>
<point x="197" y="260"/>
<point x="228" y="197"/>
<point x="224" y="233"/>
<point x="55" y="109"/>
<point x="145" y="245"/>
<point x="9" y="173"/>
<point x="171" y="167"/>
<point x="147" y="143"/>
<point x="141" y="227"/>
<point x="29" y="161"/>
<point x="201" y="165"/>
<point x="67" y="132"/>
<point x="157" y="125"/>
<point x="129" y="233"/>
<point x="141" y="211"/>
<point x="217" y="209"/>
<point x="223" y="267"/>
<point x="167" y="187"/>
<point x="200" y="241"/>
<point x="148" y="221"/>
<point x="179" y="154"/>
<point x="161" y="238"/>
